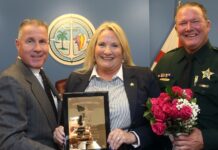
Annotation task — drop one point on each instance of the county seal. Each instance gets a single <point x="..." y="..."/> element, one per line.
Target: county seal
<point x="69" y="36"/>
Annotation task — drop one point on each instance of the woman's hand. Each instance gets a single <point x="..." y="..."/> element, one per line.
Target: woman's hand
<point x="117" y="137"/>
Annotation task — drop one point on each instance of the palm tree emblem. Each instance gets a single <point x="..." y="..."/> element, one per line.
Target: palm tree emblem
<point x="62" y="35"/>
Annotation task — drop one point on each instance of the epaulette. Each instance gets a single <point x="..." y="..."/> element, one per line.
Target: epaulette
<point x="174" y="50"/>
<point x="215" y="48"/>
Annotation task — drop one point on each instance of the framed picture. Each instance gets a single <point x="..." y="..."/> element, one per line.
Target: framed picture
<point x="86" y="120"/>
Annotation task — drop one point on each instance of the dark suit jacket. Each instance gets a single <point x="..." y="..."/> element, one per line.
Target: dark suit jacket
<point x="27" y="119"/>
<point x="144" y="86"/>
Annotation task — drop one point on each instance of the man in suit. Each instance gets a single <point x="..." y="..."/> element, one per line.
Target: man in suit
<point x="27" y="116"/>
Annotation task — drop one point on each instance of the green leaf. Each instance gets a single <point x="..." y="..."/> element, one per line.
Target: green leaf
<point x="148" y="103"/>
<point x="168" y="89"/>
<point x="170" y="92"/>
<point x="194" y="100"/>
<point x="152" y="121"/>
<point x="148" y="115"/>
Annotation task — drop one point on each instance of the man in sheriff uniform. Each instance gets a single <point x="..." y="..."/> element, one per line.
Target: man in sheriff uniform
<point x="193" y="26"/>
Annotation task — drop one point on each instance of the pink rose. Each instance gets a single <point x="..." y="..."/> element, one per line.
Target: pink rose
<point x="167" y="112"/>
<point x="158" y="113"/>
<point x="164" y="97"/>
<point x="185" y="112"/>
<point x="158" y="128"/>
<point x="154" y="101"/>
<point x="167" y="108"/>
<point x="174" y="101"/>
<point x="177" y="90"/>
<point x="174" y="111"/>
<point x="188" y="94"/>
<point x="162" y="103"/>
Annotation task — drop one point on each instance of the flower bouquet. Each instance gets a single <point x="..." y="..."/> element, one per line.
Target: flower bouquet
<point x="173" y="112"/>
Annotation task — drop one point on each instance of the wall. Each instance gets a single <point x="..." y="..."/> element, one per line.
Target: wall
<point x="162" y="21"/>
<point x="133" y="16"/>
<point x="147" y="24"/>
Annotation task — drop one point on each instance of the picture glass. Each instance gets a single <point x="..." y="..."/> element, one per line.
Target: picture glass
<point x="87" y="120"/>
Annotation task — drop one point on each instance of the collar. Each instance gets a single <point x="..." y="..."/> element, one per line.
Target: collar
<point x="119" y="74"/>
<point x="35" y="71"/>
<point x="200" y="55"/>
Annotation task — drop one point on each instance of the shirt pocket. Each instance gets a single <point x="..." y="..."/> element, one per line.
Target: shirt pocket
<point x="207" y="87"/>
<point x="166" y="83"/>
<point x="206" y="92"/>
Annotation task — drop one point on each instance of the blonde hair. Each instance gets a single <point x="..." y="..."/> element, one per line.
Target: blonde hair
<point x="120" y="34"/>
<point x="25" y="22"/>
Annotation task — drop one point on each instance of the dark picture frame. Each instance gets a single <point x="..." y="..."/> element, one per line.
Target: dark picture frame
<point x="86" y="120"/>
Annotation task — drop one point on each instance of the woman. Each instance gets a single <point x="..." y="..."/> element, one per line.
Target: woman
<point x="109" y="67"/>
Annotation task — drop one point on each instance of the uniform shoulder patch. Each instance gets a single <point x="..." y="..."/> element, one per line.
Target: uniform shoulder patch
<point x="173" y="50"/>
<point x="215" y="48"/>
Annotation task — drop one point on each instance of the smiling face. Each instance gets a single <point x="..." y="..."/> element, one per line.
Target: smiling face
<point x="108" y="52"/>
<point x="32" y="45"/>
<point x="192" y="28"/>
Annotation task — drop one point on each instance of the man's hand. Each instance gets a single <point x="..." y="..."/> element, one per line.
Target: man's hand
<point x="194" y="141"/>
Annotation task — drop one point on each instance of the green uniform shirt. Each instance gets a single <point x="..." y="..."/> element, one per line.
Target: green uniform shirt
<point x="204" y="85"/>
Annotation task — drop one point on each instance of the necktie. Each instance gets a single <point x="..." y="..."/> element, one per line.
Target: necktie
<point x="186" y="75"/>
<point x="48" y="91"/>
